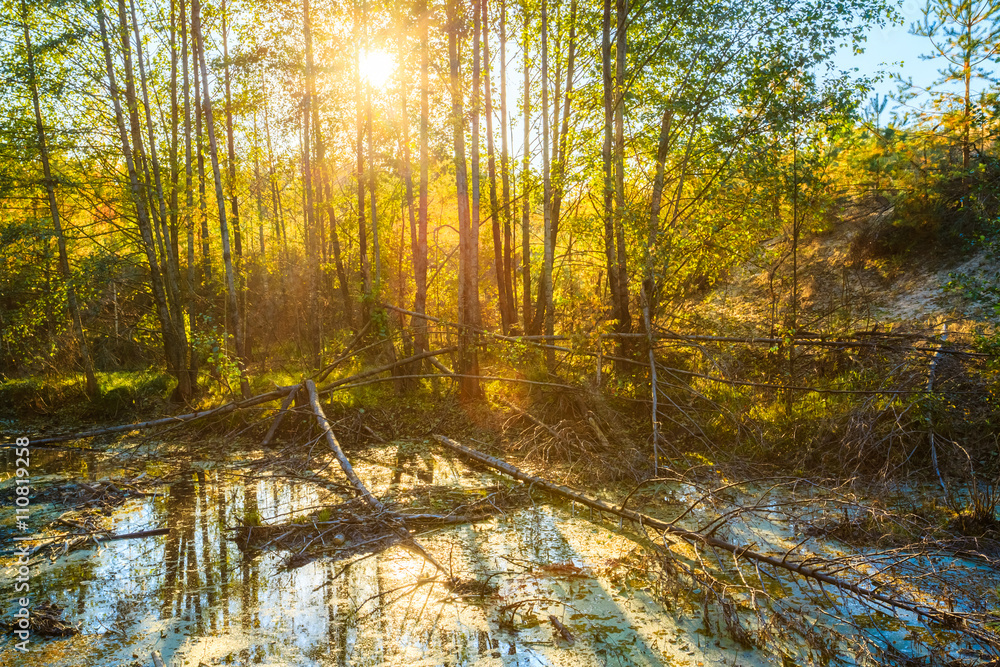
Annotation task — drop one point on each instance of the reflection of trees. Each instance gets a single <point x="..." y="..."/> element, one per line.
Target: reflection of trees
<point x="249" y="575"/>
<point x="192" y="572"/>
<point x="220" y="497"/>
<point x="176" y="517"/>
<point x="206" y="552"/>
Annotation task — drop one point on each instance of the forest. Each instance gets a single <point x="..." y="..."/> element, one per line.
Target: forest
<point x="521" y="332"/>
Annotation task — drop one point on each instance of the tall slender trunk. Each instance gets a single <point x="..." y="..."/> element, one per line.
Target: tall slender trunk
<point x="476" y="114"/>
<point x="502" y="295"/>
<point x="608" y="164"/>
<point x="174" y="141"/>
<point x="324" y="189"/>
<point x="656" y="200"/>
<point x="173" y="351"/>
<point x="234" y="219"/>
<point x="93" y="389"/>
<point x="648" y="293"/>
<point x="372" y="182"/>
<point x="360" y="175"/>
<point x="188" y="191"/>
<point x="136" y="188"/>
<point x="545" y="290"/>
<point x="560" y="145"/>
<point x="234" y="306"/>
<point x="206" y="260"/>
<point x="185" y="383"/>
<point x="279" y="219"/>
<point x="407" y="167"/>
<point x="621" y="51"/>
<point x="967" y="120"/>
<point x="526" y="179"/>
<point x="420" y="256"/>
<point x="505" y="172"/>
<point x="345" y="292"/>
<point x="314" y="187"/>
<point x="468" y="358"/>
<point x="256" y="183"/>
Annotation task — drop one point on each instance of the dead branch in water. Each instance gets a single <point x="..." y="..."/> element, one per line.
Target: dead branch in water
<point x="359" y="486"/>
<point x="812" y="568"/>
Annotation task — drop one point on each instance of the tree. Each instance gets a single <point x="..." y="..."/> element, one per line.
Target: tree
<point x="93" y="389"/>
<point x="966" y="35"/>
<point x="468" y="276"/>
<point x="231" y="288"/>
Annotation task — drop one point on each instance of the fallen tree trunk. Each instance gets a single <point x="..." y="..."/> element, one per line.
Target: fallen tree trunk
<point x="809" y="571"/>
<point x="224" y="409"/>
<point x="325" y="389"/>
<point x="279" y="392"/>
<point x="276" y="422"/>
<point x="359" y="486"/>
<point x="100" y="535"/>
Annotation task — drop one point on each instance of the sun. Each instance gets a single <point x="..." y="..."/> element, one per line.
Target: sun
<point x="376" y="67"/>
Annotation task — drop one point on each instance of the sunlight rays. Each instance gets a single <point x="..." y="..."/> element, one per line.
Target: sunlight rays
<point x="377" y="67"/>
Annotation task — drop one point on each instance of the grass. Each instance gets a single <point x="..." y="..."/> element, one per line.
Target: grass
<point x="124" y="394"/>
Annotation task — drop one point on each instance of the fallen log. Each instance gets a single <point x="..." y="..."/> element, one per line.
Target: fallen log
<point x="224" y="409"/>
<point x="808" y="570"/>
<point x="359" y="486"/>
<point x="102" y="535"/>
<point x="138" y="534"/>
<point x="278" y="392"/>
<point x="327" y="388"/>
<point x="276" y="422"/>
<point x="561" y="629"/>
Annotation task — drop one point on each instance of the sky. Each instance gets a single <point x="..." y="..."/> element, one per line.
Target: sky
<point x="894" y="50"/>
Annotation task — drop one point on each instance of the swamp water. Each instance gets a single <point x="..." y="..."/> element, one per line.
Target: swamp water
<point x="198" y="598"/>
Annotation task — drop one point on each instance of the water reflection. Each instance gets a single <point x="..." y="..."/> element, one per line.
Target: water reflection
<point x="193" y="596"/>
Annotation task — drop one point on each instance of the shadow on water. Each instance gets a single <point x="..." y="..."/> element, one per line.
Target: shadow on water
<point x="201" y="598"/>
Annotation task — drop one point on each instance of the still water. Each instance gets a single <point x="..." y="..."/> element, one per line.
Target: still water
<point x="198" y="598"/>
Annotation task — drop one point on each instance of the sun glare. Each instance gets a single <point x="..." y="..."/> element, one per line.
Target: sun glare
<point x="377" y="67"/>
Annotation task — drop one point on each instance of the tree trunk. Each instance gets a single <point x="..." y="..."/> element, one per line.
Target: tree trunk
<point x="173" y="351"/>
<point x="142" y="214"/>
<point x="185" y="383"/>
<point x="468" y="359"/>
<point x="559" y="163"/>
<point x="206" y="263"/>
<point x="502" y="296"/>
<point x="505" y="172"/>
<point x="649" y="280"/>
<point x="189" y="193"/>
<point x="476" y="116"/>
<point x="174" y="143"/>
<point x="93" y="389"/>
<point x="279" y="220"/>
<point x="525" y="180"/>
<point x="621" y="48"/>
<point x="407" y="167"/>
<point x="545" y="288"/>
<point x="420" y="246"/>
<point x="372" y="183"/>
<point x="231" y="147"/>
<point x="257" y="184"/>
<point x="362" y="220"/>
<point x="234" y="307"/>
<point x="314" y="190"/>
